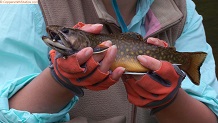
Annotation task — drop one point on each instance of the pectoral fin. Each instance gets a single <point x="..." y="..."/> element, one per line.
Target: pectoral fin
<point x="100" y="48"/>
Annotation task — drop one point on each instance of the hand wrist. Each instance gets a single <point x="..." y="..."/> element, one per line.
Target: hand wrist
<point x="52" y="82"/>
<point x="158" y="109"/>
<point x="32" y="96"/>
<point x="177" y="100"/>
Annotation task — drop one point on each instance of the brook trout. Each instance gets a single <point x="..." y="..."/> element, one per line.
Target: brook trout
<point x="68" y="41"/>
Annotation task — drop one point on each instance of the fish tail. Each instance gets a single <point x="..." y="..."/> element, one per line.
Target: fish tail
<point x="193" y="70"/>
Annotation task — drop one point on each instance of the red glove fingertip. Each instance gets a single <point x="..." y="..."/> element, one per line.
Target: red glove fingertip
<point x="79" y="25"/>
<point x="165" y="69"/>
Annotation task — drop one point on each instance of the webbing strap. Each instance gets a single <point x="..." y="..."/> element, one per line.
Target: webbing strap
<point x="119" y="17"/>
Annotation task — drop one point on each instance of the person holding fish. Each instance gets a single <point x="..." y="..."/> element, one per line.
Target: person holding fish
<point x="124" y="69"/>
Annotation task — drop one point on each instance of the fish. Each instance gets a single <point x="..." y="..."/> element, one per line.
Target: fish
<point x="68" y="41"/>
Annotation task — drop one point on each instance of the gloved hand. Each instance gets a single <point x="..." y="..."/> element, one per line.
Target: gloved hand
<point x="84" y="70"/>
<point x="156" y="89"/>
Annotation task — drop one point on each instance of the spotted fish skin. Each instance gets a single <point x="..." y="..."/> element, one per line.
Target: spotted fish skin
<point x="129" y="46"/>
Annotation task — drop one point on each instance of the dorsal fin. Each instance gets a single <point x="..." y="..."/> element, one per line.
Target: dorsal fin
<point x="133" y="35"/>
<point x="173" y="48"/>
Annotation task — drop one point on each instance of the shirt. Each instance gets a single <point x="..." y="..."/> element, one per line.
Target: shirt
<point x="193" y="39"/>
<point x="24" y="55"/>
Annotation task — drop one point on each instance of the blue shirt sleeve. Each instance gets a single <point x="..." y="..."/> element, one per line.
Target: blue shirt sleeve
<point x="193" y="39"/>
<point x="11" y="115"/>
<point x="23" y="56"/>
<point x="22" y="49"/>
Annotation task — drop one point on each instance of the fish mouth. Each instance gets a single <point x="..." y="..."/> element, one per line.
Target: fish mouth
<point x="55" y="32"/>
<point x="53" y="35"/>
<point x="58" y="34"/>
<point x="57" y="40"/>
<point x="59" y="37"/>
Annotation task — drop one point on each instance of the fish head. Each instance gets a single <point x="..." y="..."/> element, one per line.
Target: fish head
<point x="66" y="40"/>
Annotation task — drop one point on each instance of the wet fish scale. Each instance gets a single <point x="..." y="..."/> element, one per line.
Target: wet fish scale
<point x="129" y="45"/>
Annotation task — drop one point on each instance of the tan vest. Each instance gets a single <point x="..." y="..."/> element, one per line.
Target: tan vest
<point x="112" y="103"/>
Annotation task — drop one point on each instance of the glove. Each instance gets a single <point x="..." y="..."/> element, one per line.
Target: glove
<point x="71" y="75"/>
<point x="155" y="90"/>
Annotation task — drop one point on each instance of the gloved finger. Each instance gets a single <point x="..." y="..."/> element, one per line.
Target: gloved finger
<point x="125" y="77"/>
<point x="149" y="62"/>
<point x="108" y="59"/>
<point x="91" y="79"/>
<point x="152" y="89"/>
<point x="92" y="28"/>
<point x="78" y="25"/>
<point x="100" y="79"/>
<point x="117" y="73"/>
<point x="156" y="41"/>
<point x="105" y="84"/>
<point x="74" y="70"/>
<point x="133" y="97"/>
<point x="141" y="91"/>
<point x="111" y="79"/>
<point x="64" y="64"/>
<point x="168" y="72"/>
<point x="83" y="55"/>
<point x="129" y="89"/>
<point x="138" y="100"/>
<point x="99" y="56"/>
<point x="52" y="55"/>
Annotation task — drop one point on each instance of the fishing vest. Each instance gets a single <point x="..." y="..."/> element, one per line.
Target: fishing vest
<point x="112" y="106"/>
